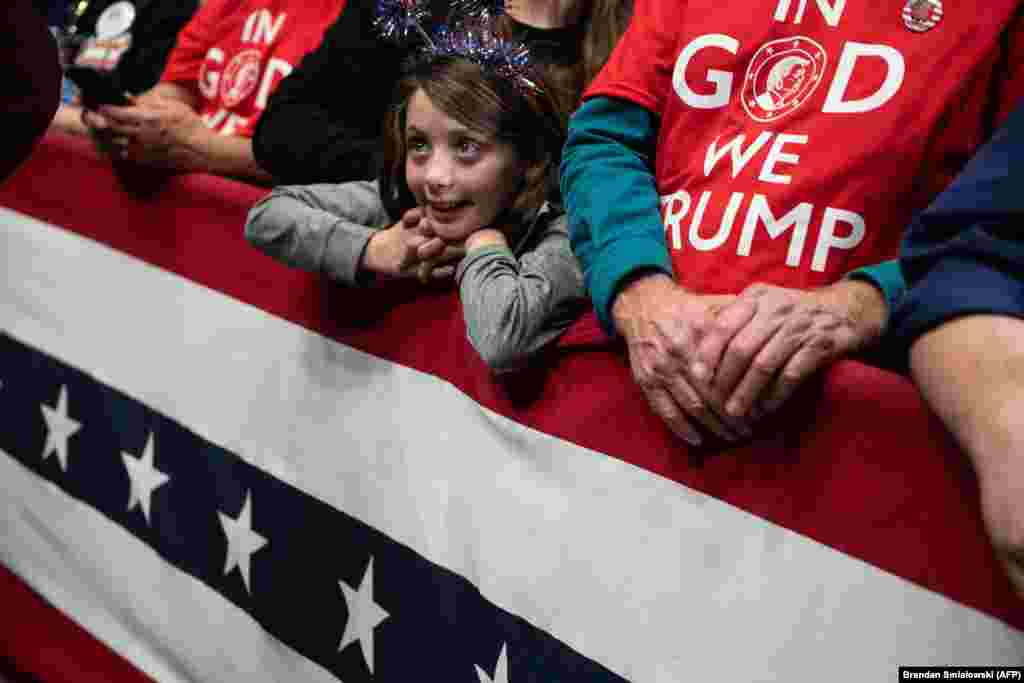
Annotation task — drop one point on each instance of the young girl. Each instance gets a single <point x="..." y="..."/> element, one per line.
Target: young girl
<point x="469" y="155"/>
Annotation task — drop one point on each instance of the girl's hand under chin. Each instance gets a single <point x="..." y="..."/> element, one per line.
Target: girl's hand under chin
<point x="393" y="252"/>
<point x="437" y="257"/>
<point x="411" y="248"/>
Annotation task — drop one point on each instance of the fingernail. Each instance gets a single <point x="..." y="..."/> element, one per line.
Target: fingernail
<point x="699" y="370"/>
<point x="734" y="409"/>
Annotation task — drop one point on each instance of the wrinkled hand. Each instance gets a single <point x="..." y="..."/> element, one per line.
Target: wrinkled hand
<point x="767" y="342"/>
<point x="154" y="131"/>
<point x="663" y="325"/>
<point x="410" y="248"/>
<point x="97" y="127"/>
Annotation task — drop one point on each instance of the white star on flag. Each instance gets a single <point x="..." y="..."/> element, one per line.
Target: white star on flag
<point x="242" y="541"/>
<point x="145" y="478"/>
<point x="59" y="428"/>
<point x="500" y="669"/>
<point x="364" y="615"/>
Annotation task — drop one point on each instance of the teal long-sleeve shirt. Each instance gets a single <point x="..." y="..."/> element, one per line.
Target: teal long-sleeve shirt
<point x="615" y="228"/>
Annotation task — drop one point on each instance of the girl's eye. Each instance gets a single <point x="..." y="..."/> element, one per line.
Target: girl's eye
<point x="469" y="149"/>
<point x="417" y="146"/>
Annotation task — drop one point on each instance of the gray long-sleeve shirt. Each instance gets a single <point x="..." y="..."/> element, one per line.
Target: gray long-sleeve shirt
<point x="514" y="301"/>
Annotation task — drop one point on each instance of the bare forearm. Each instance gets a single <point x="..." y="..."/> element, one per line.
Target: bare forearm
<point x="209" y="152"/>
<point x="971" y="372"/>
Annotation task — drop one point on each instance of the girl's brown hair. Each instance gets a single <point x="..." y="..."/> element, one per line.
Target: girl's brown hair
<point x="515" y="113"/>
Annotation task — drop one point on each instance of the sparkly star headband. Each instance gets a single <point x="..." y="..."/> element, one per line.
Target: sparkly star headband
<point x="396" y="20"/>
<point x="471" y="37"/>
<point x="484" y="9"/>
<point x="478" y="43"/>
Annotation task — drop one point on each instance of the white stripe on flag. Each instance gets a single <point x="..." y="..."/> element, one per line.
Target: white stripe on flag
<point x="653" y="580"/>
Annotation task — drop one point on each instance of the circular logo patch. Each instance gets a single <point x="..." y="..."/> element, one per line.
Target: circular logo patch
<point x="241" y="76"/>
<point x="115" y="19"/>
<point x="781" y="76"/>
<point x="922" y="15"/>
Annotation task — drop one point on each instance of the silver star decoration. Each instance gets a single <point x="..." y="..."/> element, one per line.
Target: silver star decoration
<point x="59" y="428"/>
<point x="145" y="478"/>
<point x="500" y="669"/>
<point x="242" y="541"/>
<point x="364" y="615"/>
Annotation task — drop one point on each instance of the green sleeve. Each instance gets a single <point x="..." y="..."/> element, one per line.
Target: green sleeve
<point x="887" y="277"/>
<point x="608" y="188"/>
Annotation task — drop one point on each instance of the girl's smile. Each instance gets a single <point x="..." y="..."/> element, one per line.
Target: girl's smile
<point x="445" y="212"/>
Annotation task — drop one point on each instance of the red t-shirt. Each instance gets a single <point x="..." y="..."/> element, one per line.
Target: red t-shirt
<point x="798" y="137"/>
<point x="233" y="53"/>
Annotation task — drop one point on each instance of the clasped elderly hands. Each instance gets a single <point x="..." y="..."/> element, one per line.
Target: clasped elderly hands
<point x="411" y="248"/>
<point x="725" y="362"/>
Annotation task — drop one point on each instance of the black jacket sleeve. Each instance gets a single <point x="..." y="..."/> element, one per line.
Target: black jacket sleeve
<point x="323" y="122"/>
<point x="153" y="36"/>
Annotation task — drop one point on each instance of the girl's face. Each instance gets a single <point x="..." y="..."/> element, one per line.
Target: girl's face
<point x="460" y="177"/>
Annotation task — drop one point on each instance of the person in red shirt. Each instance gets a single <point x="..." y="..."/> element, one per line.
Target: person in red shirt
<point x="733" y="163"/>
<point x="226" y="62"/>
